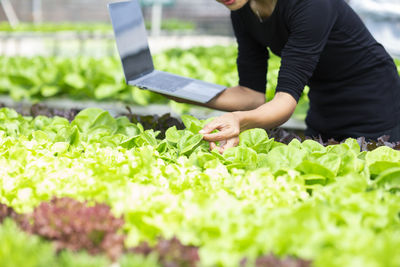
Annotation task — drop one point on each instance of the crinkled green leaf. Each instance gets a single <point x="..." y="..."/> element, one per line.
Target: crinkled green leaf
<point x="389" y="178"/>
<point x="256" y="139"/>
<point x="192" y="124"/>
<point x="75" y="80"/>
<point x="173" y="135"/>
<point x="188" y="142"/>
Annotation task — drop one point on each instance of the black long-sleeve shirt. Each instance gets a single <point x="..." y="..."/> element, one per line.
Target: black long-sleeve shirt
<point x="354" y="84"/>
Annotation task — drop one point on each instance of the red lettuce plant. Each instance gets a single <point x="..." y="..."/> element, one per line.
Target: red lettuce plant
<point x="271" y="260"/>
<point x="171" y="253"/>
<point x="5" y="212"/>
<point x="73" y="225"/>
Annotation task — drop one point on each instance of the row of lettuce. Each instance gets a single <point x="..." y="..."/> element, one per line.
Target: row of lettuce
<point x="38" y="78"/>
<point x="65" y="232"/>
<point x="102" y="78"/>
<point x="81" y="27"/>
<point x="332" y="205"/>
<point x="81" y="235"/>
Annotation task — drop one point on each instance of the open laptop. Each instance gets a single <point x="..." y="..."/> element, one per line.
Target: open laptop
<point x="131" y="38"/>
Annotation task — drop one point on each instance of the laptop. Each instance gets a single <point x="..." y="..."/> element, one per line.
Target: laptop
<point x="137" y="63"/>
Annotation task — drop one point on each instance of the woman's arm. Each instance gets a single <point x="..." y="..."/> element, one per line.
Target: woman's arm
<point x="236" y="98"/>
<point x="268" y="115"/>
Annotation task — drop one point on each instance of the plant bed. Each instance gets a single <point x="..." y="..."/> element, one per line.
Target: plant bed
<point x="161" y="123"/>
<point x="40" y="78"/>
<point x="301" y="199"/>
<point x="89" y="236"/>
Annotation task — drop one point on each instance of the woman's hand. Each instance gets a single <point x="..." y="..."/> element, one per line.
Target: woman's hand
<point x="267" y="116"/>
<point x="228" y="135"/>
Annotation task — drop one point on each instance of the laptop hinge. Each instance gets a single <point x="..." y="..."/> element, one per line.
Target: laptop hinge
<point x="140" y="75"/>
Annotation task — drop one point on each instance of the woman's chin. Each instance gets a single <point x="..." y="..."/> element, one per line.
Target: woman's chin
<point x="233" y="4"/>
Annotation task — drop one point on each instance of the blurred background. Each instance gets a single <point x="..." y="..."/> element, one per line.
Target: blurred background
<point x="62" y="52"/>
<point x="85" y="20"/>
<point x="26" y="24"/>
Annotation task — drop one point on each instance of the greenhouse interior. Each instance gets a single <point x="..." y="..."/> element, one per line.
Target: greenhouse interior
<point x="269" y="137"/>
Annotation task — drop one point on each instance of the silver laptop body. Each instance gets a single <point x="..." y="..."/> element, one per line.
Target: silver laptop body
<point x="131" y="38"/>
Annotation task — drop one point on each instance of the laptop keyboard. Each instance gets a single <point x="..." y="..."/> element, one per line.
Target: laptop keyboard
<point x="165" y="82"/>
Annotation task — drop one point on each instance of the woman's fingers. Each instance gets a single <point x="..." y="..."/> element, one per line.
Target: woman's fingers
<point x="226" y="130"/>
<point x="224" y="144"/>
<point x="213" y="145"/>
<point x="232" y="142"/>
<point x="228" y="126"/>
<point x="208" y="128"/>
<point x="216" y="124"/>
<point x="214" y="137"/>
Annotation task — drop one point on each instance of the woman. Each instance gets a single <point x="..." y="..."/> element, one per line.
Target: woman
<point x="354" y="84"/>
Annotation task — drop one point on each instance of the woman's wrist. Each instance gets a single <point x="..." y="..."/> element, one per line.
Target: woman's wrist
<point x="268" y="115"/>
<point x="244" y="119"/>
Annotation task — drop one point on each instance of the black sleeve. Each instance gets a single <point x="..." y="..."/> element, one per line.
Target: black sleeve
<point x="252" y="60"/>
<point x="310" y="23"/>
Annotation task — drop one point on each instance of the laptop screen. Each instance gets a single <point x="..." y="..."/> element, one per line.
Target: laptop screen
<point x="131" y="38"/>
